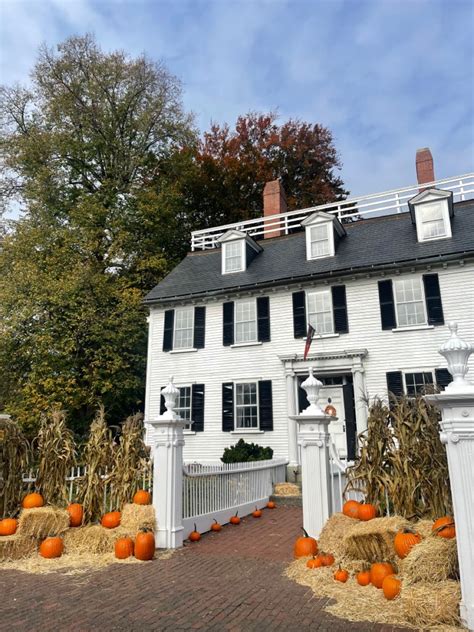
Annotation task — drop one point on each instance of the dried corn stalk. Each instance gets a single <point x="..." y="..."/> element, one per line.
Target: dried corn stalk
<point x="14" y="459"/>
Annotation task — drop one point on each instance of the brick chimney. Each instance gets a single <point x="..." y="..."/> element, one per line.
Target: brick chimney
<point x="274" y="203"/>
<point x="424" y="166"/>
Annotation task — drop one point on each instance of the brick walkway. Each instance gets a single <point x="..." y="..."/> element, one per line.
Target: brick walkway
<point x="232" y="580"/>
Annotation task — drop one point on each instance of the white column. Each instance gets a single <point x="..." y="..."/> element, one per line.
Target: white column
<point x="168" y="442"/>
<point x="360" y="396"/>
<point x="457" y="433"/>
<point x="292" y="430"/>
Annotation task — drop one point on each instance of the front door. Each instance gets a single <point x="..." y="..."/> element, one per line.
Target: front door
<point x="333" y="395"/>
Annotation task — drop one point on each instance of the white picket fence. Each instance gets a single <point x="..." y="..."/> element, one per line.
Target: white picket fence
<point x="216" y="491"/>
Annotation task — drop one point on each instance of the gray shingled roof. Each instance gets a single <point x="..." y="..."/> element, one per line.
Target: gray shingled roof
<point x="369" y="244"/>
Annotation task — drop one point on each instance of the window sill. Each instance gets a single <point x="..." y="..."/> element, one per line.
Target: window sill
<point x="242" y="431"/>
<point x="189" y="432"/>
<point x="413" y="328"/>
<point x="322" y="336"/>
<point x="254" y="343"/>
<point x="183" y="350"/>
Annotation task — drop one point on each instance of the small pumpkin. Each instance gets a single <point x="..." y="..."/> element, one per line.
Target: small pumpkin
<point x="33" y="500"/>
<point x="363" y="578"/>
<point x="271" y="504"/>
<point x="235" y="519"/>
<point x="142" y="497"/>
<point x="391" y="587"/>
<point x="216" y="526"/>
<point x="444" y="527"/>
<point x="305" y="546"/>
<point x="351" y="508"/>
<point x="194" y="536"/>
<point x="8" y="526"/>
<point x="51" y="547"/>
<point x="123" y="548"/>
<point x="366" y="511"/>
<point x="144" y="545"/>
<point x="379" y="571"/>
<point x="314" y="562"/>
<point x="341" y="575"/>
<point x="327" y="559"/>
<point x="404" y="541"/>
<point x="76" y="513"/>
<point x="111" y="520"/>
<point x="257" y="513"/>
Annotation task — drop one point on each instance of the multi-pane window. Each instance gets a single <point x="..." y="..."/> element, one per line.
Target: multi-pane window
<point x="320" y="314"/>
<point x="319" y="241"/>
<point x="233" y="256"/>
<point x="432" y="221"/>
<point x="246" y="321"/>
<point x="184" y="328"/>
<point x="410" y="302"/>
<point x="246" y="405"/>
<point x="183" y="409"/>
<point x="416" y="383"/>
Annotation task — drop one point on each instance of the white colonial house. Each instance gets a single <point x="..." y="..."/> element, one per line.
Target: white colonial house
<point x="378" y="277"/>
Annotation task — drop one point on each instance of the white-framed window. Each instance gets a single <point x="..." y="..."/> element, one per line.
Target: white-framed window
<point x="246" y="405"/>
<point x="319" y="240"/>
<point x="183" y="328"/>
<point x="432" y="220"/>
<point x="320" y="313"/>
<point x="184" y="408"/>
<point x="416" y="383"/>
<point x="245" y="321"/>
<point x="233" y="256"/>
<point x="409" y="302"/>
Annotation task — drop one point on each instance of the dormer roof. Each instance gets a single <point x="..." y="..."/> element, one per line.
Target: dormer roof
<point x="234" y="235"/>
<point x="321" y="216"/>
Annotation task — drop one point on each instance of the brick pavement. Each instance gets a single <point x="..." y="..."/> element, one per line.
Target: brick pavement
<point x="229" y="581"/>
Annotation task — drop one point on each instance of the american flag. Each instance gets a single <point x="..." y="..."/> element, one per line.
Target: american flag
<point x="309" y="340"/>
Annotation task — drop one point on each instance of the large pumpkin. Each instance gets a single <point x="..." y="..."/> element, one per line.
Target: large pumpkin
<point x="404" y="541"/>
<point x="444" y="527"/>
<point x="51" y="547"/>
<point x="123" y="548"/>
<point x="8" y="526"/>
<point x="351" y="508"/>
<point x="76" y="514"/>
<point x="391" y="587"/>
<point x="379" y="571"/>
<point x="111" y="520"/>
<point x="366" y="512"/>
<point x="145" y="545"/>
<point x="142" y="497"/>
<point x="305" y="546"/>
<point x="30" y="501"/>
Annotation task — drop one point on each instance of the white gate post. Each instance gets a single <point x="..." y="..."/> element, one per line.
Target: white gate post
<point x="313" y="437"/>
<point x="168" y="442"/>
<point x="457" y="433"/>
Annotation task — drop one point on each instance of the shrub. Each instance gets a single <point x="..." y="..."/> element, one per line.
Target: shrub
<point x="243" y="452"/>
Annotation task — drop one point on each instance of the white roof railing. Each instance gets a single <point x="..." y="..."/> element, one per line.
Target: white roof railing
<point x="385" y="203"/>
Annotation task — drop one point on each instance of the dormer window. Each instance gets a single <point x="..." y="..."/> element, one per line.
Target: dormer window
<point x="431" y="212"/>
<point x="323" y="231"/>
<point x="320" y="241"/>
<point x="238" y="250"/>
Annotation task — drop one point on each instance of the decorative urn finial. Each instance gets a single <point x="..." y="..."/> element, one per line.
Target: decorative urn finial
<point x="171" y="394"/>
<point x="312" y="385"/>
<point x="457" y="352"/>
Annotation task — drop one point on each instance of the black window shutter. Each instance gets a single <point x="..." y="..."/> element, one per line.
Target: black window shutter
<point x="228" y="406"/>
<point x="199" y="327"/>
<point x="197" y="407"/>
<point x="228" y="319"/>
<point x="387" y="305"/>
<point x="434" y="307"/>
<point x="299" y="314"/>
<point x="265" y="404"/>
<point x="162" y="404"/>
<point x="339" y="307"/>
<point x="350" y="421"/>
<point x="395" y="383"/>
<point x="443" y="377"/>
<point x="263" y="318"/>
<point x="168" y="330"/>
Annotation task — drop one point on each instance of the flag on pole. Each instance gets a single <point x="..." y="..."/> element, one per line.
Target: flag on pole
<point x="309" y="340"/>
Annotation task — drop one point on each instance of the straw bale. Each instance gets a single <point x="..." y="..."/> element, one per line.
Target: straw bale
<point x="93" y="539"/>
<point x="333" y="532"/>
<point x="16" y="547"/>
<point x="286" y="489"/>
<point x="434" y="559"/>
<point x="425" y="605"/>
<point x="373" y="540"/>
<point x="134" y="517"/>
<point x="42" y="522"/>
<point x="423" y="527"/>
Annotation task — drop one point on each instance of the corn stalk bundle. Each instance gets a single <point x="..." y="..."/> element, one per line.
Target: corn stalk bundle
<point x="14" y="459"/>
<point x="56" y="456"/>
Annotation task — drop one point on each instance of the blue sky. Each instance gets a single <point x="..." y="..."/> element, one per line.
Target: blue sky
<point x="385" y="76"/>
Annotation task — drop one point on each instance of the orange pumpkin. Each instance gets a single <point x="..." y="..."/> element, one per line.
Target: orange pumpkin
<point x="142" y="497"/>
<point x="235" y="519"/>
<point x="145" y="545"/>
<point x="366" y="512"/>
<point x="404" y="541"/>
<point x="305" y="546"/>
<point x="216" y="526"/>
<point x="51" y="547"/>
<point x="379" y="571"/>
<point x="123" y="548"/>
<point x="444" y="527"/>
<point x="8" y="526"/>
<point x="271" y="504"/>
<point x="111" y="520"/>
<point x="363" y="578"/>
<point x="257" y="513"/>
<point x="33" y="500"/>
<point x="351" y="508"/>
<point x="327" y="559"/>
<point x="315" y="562"/>
<point x="76" y="514"/>
<point x="391" y="587"/>
<point x="194" y="536"/>
<point x="341" y="575"/>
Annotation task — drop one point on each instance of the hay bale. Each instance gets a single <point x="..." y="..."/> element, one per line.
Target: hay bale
<point x="286" y="489"/>
<point x="93" y="539"/>
<point x="42" y="522"/>
<point x="373" y="540"/>
<point x="333" y="533"/>
<point x="427" y="605"/>
<point x="16" y="547"/>
<point x="135" y="517"/>
<point x="434" y="559"/>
